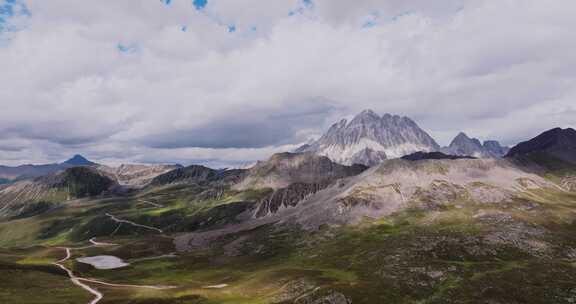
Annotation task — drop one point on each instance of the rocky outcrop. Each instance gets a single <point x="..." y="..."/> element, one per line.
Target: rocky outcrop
<point x="136" y="176"/>
<point x="286" y="197"/>
<point x="368" y="157"/>
<point x="369" y="138"/>
<point x="568" y="183"/>
<point x="285" y="169"/>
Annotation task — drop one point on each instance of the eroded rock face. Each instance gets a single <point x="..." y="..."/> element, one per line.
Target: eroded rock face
<point x="287" y="197"/>
<point x="569" y="183"/>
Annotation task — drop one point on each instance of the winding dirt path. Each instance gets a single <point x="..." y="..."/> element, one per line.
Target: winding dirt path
<point x="93" y="241"/>
<point x="120" y="221"/>
<point x="78" y="280"/>
<point x="151" y="203"/>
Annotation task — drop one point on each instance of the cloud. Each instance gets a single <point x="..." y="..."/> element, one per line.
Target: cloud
<point x="169" y="81"/>
<point x="247" y="127"/>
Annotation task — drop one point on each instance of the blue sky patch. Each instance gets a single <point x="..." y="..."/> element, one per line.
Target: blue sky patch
<point x="127" y="48"/>
<point x="403" y="14"/>
<point x="167" y="2"/>
<point x="371" y="20"/>
<point x="11" y="9"/>
<point x="231" y="28"/>
<point x="200" y="4"/>
<point x="369" y="24"/>
<point x="302" y="7"/>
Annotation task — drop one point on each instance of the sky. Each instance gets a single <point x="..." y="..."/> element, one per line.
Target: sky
<point x="228" y="82"/>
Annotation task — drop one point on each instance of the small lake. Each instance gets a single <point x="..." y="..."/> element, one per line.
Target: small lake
<point x="103" y="262"/>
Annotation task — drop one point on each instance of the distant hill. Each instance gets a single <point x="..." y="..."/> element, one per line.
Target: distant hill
<point x="553" y="149"/>
<point x="10" y="174"/>
<point x="54" y="188"/>
<point x="79" y="160"/>
<point x="465" y="146"/>
<point x="433" y="155"/>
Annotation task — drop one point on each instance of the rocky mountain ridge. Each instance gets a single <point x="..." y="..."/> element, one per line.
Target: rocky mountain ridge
<point x="369" y="138"/>
<point x="556" y="143"/>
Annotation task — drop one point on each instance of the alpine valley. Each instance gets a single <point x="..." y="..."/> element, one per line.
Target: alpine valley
<point x="373" y="211"/>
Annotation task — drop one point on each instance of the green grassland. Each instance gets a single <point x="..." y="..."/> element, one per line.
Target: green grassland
<point x="448" y="254"/>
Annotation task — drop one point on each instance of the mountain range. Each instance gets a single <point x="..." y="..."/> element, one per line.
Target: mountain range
<point x="465" y="146"/>
<point x="10" y="174"/>
<point x="369" y="139"/>
<point x="416" y="223"/>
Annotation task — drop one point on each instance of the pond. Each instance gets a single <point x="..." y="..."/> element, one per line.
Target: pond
<point x="103" y="262"/>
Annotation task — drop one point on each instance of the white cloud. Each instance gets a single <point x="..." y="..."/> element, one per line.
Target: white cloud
<point x="496" y="69"/>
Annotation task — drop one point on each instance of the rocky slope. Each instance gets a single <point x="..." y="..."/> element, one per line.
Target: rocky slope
<point x="197" y="174"/>
<point x="284" y="169"/>
<point x="136" y="176"/>
<point x="399" y="184"/>
<point x="389" y="188"/>
<point x="369" y="138"/>
<point x="72" y="183"/>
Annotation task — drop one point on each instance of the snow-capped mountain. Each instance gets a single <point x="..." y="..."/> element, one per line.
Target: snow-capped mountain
<point x="369" y="138"/>
<point x="465" y="146"/>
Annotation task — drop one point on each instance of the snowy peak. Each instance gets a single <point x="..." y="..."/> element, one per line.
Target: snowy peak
<point x="370" y="138"/>
<point x="365" y="117"/>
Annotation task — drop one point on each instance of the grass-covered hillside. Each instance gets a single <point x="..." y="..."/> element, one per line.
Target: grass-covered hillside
<point x="460" y="233"/>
